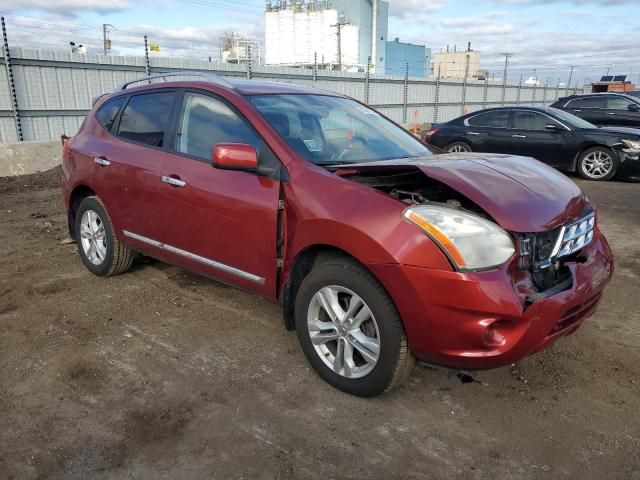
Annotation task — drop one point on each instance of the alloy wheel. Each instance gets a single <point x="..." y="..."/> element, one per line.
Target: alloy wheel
<point x="597" y="164"/>
<point x="458" y="149"/>
<point x="92" y="237"/>
<point x="343" y="331"/>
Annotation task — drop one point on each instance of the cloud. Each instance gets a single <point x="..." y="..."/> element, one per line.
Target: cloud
<point x="408" y="8"/>
<point x="68" y="7"/>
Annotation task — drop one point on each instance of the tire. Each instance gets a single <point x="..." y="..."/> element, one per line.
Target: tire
<point x="99" y="248"/>
<point x="597" y="163"/>
<point x="458" y="147"/>
<point x="357" y="376"/>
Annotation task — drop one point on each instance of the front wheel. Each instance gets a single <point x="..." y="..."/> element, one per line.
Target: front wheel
<point x="349" y="329"/>
<point x="597" y="163"/>
<point x="458" y="147"/>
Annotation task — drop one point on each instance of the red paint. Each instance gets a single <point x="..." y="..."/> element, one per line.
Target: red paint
<point x="463" y="320"/>
<point x="232" y="156"/>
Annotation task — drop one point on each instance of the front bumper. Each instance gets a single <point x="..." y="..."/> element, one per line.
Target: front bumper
<point x="482" y="320"/>
<point x="629" y="168"/>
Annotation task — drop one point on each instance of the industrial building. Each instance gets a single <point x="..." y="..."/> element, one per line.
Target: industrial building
<point x="457" y="64"/>
<point x="400" y="55"/>
<point x="237" y="49"/>
<point x="338" y="34"/>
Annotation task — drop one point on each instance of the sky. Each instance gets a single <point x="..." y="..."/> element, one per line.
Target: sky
<point x="595" y="36"/>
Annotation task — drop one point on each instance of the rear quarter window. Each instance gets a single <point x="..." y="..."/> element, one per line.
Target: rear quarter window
<point x="106" y="114"/>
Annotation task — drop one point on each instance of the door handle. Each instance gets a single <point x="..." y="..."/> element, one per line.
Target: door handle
<point x="577" y="110"/>
<point x="610" y="113"/>
<point x="519" y="136"/>
<point x="103" y="162"/>
<point x="176" y="182"/>
<point x="474" y="133"/>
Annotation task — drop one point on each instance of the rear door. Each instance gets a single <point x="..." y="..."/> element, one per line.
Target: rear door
<point x="489" y="131"/>
<point x="531" y="138"/>
<point x="221" y="223"/>
<point x="623" y="111"/>
<point x="126" y="172"/>
<point x="590" y="108"/>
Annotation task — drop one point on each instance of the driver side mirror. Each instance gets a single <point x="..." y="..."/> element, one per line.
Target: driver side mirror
<point x="552" y="127"/>
<point x="234" y="156"/>
<point x="634" y="107"/>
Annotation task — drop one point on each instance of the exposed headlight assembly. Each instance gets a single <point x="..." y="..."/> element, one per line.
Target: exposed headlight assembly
<point x="632" y="144"/>
<point x="471" y="242"/>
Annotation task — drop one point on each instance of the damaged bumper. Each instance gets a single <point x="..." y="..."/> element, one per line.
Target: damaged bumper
<point x="489" y="319"/>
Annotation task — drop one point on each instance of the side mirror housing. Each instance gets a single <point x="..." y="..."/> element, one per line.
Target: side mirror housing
<point x="634" y="107"/>
<point x="234" y="156"/>
<point x="552" y="127"/>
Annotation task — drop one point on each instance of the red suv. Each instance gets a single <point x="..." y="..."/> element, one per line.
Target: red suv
<point x="378" y="250"/>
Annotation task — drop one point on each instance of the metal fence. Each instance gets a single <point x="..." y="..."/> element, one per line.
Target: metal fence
<point x="45" y="93"/>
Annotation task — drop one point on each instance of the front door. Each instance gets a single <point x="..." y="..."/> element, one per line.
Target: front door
<point x="623" y="112"/>
<point x="531" y="138"/>
<point x="221" y="223"/>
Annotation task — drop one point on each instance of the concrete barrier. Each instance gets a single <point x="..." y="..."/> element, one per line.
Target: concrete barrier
<point x="22" y="158"/>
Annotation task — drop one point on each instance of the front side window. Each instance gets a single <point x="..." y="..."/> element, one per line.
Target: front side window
<point x="145" y="119"/>
<point x="618" y="103"/>
<point x="206" y="121"/>
<point x="587" y="102"/>
<point x="527" y="120"/>
<point x="107" y="112"/>
<point x="330" y="130"/>
<point x="498" y="119"/>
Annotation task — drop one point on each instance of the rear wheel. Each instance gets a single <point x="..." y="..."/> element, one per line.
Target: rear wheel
<point x="458" y="147"/>
<point x="99" y="248"/>
<point x="349" y="329"/>
<point x="597" y="163"/>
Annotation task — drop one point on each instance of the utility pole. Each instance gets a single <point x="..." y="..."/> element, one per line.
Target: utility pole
<point x="105" y="38"/>
<point x="569" y="82"/>
<point x="504" y="75"/>
<point x="339" y="25"/>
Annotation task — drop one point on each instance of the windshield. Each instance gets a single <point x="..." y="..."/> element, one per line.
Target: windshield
<point x="330" y="130"/>
<point x="571" y="120"/>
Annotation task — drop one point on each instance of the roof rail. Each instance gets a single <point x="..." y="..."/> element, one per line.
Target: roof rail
<point x="207" y="76"/>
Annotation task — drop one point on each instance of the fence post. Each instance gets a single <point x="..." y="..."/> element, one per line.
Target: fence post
<point x="405" y="95"/>
<point x="519" y="91"/>
<point x="535" y="87"/>
<point x="12" y="83"/>
<point x="437" y="99"/>
<point x="249" y="63"/>
<point x="486" y="92"/>
<point x="366" y="81"/>
<point x="315" y="66"/>
<point x="147" y="67"/>
<point x="464" y="96"/>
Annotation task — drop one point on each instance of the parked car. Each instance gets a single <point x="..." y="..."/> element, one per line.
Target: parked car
<point x="552" y="136"/>
<point x="377" y="250"/>
<point x="603" y="109"/>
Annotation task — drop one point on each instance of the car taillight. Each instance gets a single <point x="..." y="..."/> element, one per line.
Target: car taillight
<point x="429" y="134"/>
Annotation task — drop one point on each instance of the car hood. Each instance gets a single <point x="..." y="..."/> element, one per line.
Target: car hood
<point x="520" y="193"/>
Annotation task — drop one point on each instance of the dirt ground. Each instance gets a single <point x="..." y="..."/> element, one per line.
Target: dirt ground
<point x="159" y="373"/>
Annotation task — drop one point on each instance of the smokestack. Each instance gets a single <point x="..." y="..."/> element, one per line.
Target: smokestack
<point x="374" y="35"/>
<point x="469" y="47"/>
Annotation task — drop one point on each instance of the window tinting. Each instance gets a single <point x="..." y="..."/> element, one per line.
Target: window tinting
<point x="524" y="120"/>
<point x="205" y="121"/>
<point x="146" y="117"/>
<point x="588" y="102"/>
<point x="491" y="119"/>
<point x="107" y="112"/>
<point x="618" y="103"/>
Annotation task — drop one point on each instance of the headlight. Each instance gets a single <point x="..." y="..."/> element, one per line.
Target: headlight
<point x="470" y="241"/>
<point x="632" y="144"/>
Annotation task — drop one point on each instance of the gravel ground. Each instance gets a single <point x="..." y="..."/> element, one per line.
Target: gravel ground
<point x="159" y="373"/>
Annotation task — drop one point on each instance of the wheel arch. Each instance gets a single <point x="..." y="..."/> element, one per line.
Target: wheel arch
<point x="79" y="193"/>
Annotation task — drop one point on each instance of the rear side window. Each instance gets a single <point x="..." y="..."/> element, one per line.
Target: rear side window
<point x="491" y="119"/>
<point x="145" y="119"/>
<point x="206" y="121"/>
<point x="587" y="102"/>
<point x="107" y="112"/>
